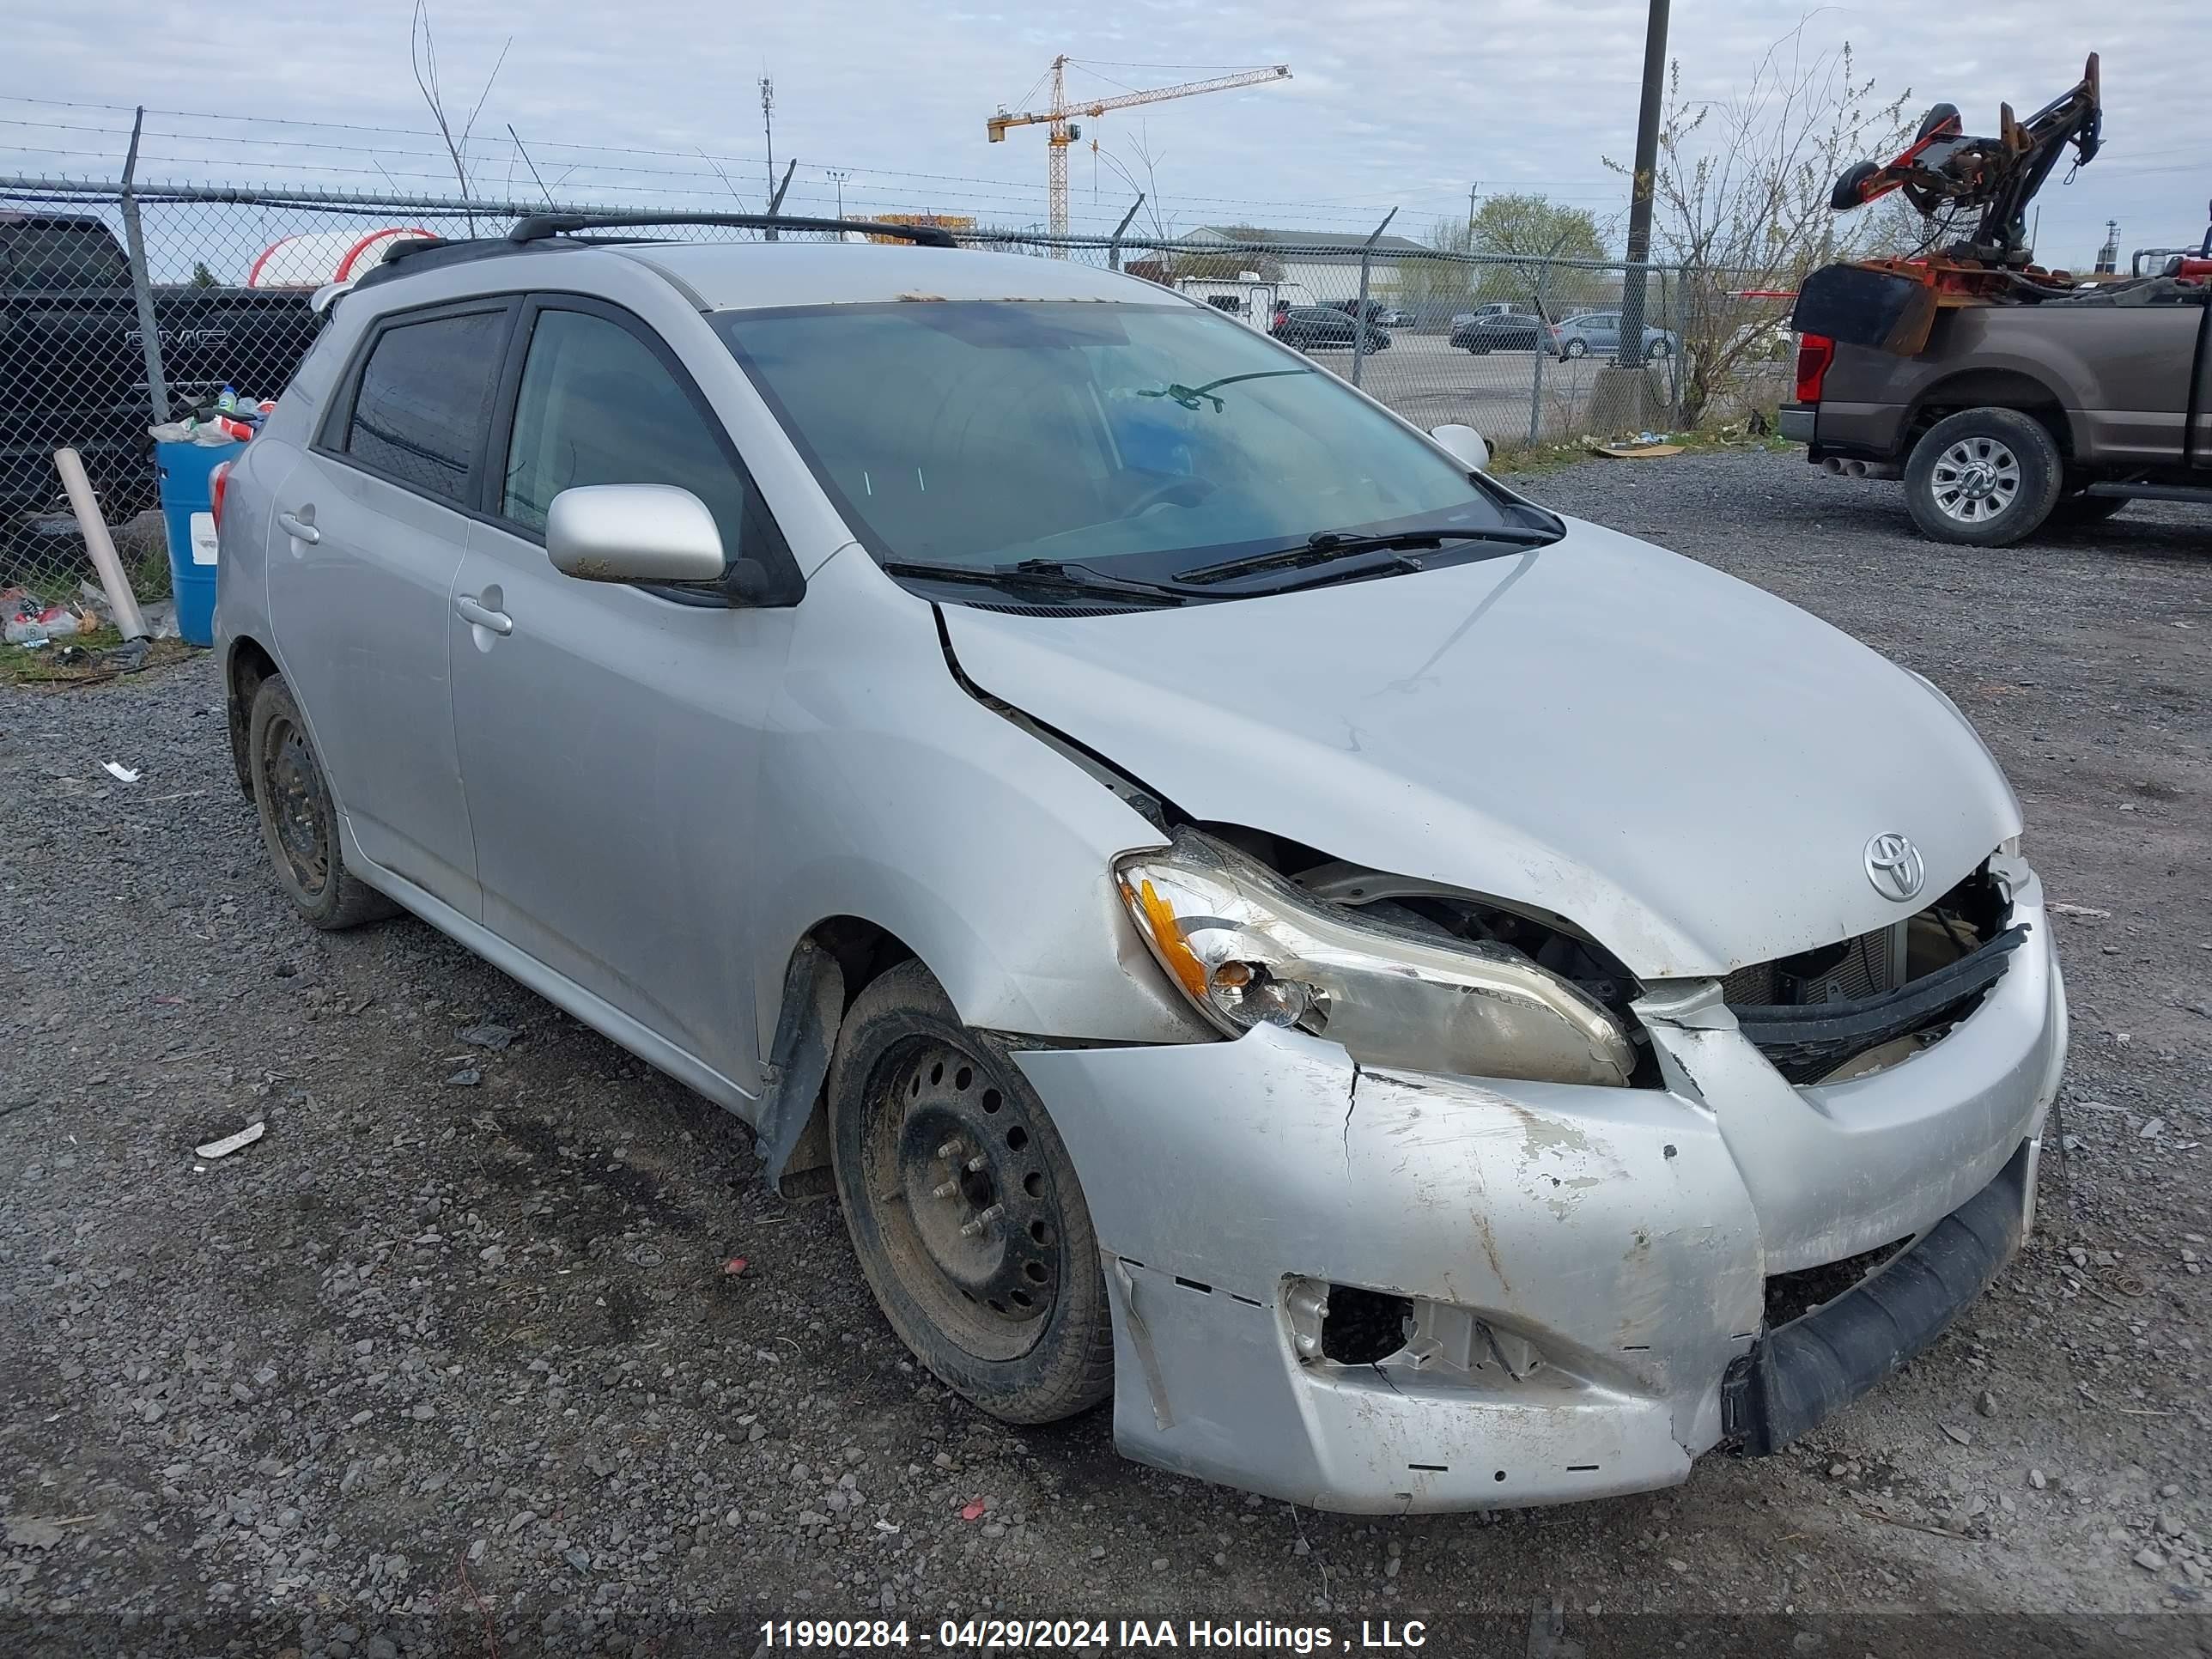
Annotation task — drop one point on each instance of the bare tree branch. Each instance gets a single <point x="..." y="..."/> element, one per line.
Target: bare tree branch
<point x="422" y="59"/>
<point x="1741" y="199"/>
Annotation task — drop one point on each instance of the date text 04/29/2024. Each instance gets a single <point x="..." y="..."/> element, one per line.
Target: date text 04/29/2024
<point x="1113" y="1635"/>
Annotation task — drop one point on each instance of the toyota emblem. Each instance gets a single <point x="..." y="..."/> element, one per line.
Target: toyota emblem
<point x="1893" y="865"/>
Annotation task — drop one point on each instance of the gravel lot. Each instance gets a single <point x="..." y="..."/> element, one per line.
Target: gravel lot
<point x="452" y="1360"/>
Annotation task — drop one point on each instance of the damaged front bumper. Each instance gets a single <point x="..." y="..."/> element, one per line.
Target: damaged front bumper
<point x="1584" y="1270"/>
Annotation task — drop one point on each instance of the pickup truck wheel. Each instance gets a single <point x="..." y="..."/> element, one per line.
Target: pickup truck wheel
<point x="963" y="1207"/>
<point x="1984" y="477"/>
<point x="299" y="819"/>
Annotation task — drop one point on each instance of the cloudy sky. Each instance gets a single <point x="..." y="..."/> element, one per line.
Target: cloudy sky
<point x="1393" y="103"/>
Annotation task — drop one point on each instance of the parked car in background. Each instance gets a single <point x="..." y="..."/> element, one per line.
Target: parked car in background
<point x="1506" y="330"/>
<point x="1312" y="327"/>
<point x="1036" y="757"/>
<point x="1378" y="314"/>
<point x="73" y="360"/>
<point x="1597" y="334"/>
<point x="1488" y="308"/>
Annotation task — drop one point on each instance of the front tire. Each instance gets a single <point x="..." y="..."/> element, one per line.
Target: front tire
<point x="299" y="819"/>
<point x="1982" y="477"/>
<point x="963" y="1207"/>
<point x="1574" y="349"/>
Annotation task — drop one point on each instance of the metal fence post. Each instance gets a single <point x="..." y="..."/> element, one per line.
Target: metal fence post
<point x="1359" y="317"/>
<point x="1114" y="248"/>
<point x="1543" y="335"/>
<point x="149" y="330"/>
<point x="776" y="202"/>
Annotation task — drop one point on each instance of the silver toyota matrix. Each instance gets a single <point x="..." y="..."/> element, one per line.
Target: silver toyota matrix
<point x="1427" y="1003"/>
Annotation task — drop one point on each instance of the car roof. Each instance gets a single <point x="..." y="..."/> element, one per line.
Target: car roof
<point x="752" y="275"/>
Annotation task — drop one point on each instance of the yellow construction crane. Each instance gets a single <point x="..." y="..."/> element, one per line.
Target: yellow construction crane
<point x="1062" y="132"/>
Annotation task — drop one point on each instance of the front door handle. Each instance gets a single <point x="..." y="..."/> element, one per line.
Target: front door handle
<point x="300" y="529"/>
<point x="468" y="610"/>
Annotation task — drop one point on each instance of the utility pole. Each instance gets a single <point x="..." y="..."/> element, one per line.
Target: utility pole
<point x="768" y="126"/>
<point x="1631" y="355"/>
<point x="837" y="177"/>
<point x="1471" y="190"/>
<point x="2108" y="257"/>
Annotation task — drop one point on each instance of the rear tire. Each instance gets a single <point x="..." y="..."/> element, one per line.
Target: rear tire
<point x="1982" y="477"/>
<point x="1009" y="1308"/>
<point x="1573" y="349"/>
<point x="299" y="819"/>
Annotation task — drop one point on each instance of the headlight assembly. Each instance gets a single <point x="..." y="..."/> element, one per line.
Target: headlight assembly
<point x="1247" y="949"/>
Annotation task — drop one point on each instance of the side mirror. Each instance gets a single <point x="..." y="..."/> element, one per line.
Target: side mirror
<point x="1464" y="442"/>
<point x="633" y="533"/>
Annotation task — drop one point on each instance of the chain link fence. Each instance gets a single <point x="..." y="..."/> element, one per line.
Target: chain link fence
<point x="127" y="306"/>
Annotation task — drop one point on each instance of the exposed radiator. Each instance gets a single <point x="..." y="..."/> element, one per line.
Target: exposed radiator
<point x="1866" y="966"/>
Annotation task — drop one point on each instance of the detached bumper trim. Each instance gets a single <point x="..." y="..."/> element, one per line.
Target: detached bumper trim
<point x="1798" y="1376"/>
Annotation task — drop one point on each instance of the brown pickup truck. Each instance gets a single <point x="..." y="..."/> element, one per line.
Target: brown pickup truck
<point x="2014" y="414"/>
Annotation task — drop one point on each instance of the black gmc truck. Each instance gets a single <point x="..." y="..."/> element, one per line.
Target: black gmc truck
<point x="73" y="362"/>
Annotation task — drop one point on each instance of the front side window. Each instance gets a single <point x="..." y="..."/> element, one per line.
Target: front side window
<point x="599" y="406"/>
<point x="981" y="432"/>
<point x="425" y="395"/>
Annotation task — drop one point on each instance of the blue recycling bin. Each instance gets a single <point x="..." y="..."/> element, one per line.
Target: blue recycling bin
<point x="188" y="514"/>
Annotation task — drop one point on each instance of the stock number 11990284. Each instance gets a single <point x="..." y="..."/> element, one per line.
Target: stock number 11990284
<point x="956" y="1635"/>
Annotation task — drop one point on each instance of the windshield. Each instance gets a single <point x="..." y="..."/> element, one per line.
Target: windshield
<point x="979" y="434"/>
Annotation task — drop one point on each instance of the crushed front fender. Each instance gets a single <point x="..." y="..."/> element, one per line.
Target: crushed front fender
<point x="1597" y="1245"/>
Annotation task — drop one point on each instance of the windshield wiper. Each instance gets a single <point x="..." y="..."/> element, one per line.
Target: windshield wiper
<point x="1048" y="575"/>
<point x="1328" y="546"/>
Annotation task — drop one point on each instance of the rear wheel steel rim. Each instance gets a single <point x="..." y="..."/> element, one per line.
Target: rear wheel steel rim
<point x="970" y="1214"/>
<point x="1975" y="480"/>
<point x="299" y="807"/>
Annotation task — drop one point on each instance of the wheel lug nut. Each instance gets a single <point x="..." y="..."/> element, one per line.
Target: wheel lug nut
<point x="982" y="1217"/>
<point x="950" y="1150"/>
<point x="978" y="1163"/>
<point x="948" y="1189"/>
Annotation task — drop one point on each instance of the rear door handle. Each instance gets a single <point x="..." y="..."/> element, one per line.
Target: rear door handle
<point x="470" y="611"/>
<point x="300" y="529"/>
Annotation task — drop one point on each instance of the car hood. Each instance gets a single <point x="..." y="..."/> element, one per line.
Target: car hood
<point x="1677" y="761"/>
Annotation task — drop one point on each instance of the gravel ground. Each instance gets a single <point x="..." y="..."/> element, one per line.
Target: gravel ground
<point x="454" y="1359"/>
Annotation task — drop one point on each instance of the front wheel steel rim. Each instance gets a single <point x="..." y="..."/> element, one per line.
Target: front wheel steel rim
<point x="1975" y="480"/>
<point x="966" y="1203"/>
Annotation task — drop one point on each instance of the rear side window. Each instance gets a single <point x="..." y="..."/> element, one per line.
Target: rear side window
<point x="424" y="400"/>
<point x="598" y="406"/>
<point x="41" y="254"/>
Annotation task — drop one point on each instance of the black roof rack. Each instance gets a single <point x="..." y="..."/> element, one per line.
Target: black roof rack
<point x="422" y="252"/>
<point x="540" y="227"/>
